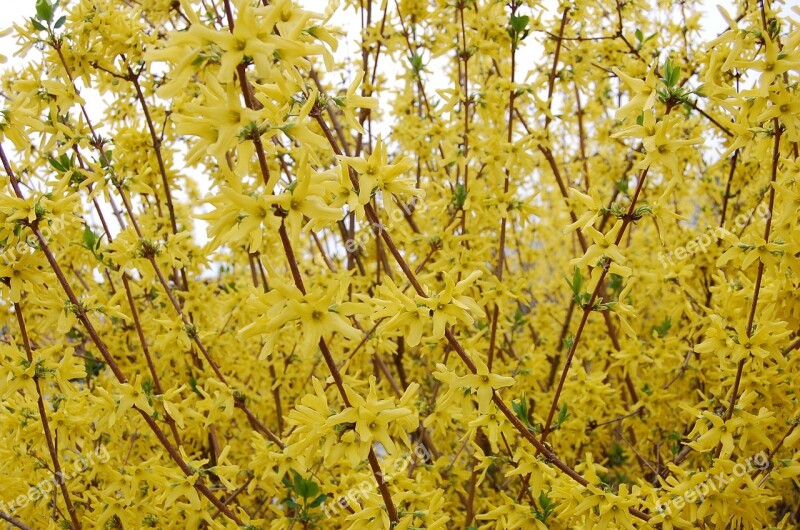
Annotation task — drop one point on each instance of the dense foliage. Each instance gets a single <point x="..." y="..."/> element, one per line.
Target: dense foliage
<point x="505" y="266"/>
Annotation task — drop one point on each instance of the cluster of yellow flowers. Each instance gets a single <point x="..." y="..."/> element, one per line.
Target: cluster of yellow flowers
<point x="215" y="272"/>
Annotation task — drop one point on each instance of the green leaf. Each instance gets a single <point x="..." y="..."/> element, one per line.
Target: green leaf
<point x="318" y="501"/>
<point x="547" y="507"/>
<point x="56" y="163"/>
<point x="193" y="385"/>
<point x="90" y="239"/>
<point x="519" y="23"/>
<point x="460" y="196"/>
<point x="305" y="488"/>
<point x="576" y="283"/>
<point x="675" y="438"/>
<point x="416" y="63"/>
<point x="93" y="366"/>
<point x="66" y="161"/>
<point x="617" y="456"/>
<point x="615" y="283"/>
<point x="563" y="414"/>
<point x="60" y="22"/>
<point x="641" y="211"/>
<point x="107" y="160"/>
<point x="521" y="411"/>
<point x="520" y="408"/>
<point x="37" y="24"/>
<point x="44" y="10"/>
<point x="664" y="327"/>
<point x="603" y="306"/>
<point x="582" y="299"/>
<point x="639" y="36"/>
<point x="672" y="74"/>
<point x="517" y="29"/>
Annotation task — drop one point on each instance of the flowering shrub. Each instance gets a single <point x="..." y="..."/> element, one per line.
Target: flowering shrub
<point x="462" y="278"/>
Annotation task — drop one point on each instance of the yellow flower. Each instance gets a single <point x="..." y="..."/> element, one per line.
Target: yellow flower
<point x="721" y="432"/>
<point x="595" y="209"/>
<point x="484" y="383"/>
<point x="303" y="199"/>
<point x="132" y="394"/>
<point x="352" y="101"/>
<point x="604" y="247"/>
<point x="341" y="192"/>
<point x="529" y="463"/>
<point x="172" y="405"/>
<point x="371" y="418"/>
<point x="643" y="94"/>
<point x="218" y="119"/>
<point x="217" y="401"/>
<point x="624" y="311"/>
<point x="657" y="141"/>
<point x="670" y="520"/>
<point x="508" y="513"/>
<point x="451" y="304"/>
<point x="319" y="312"/>
<point x="23" y="272"/>
<point x="400" y="312"/>
<point x="763" y="342"/>
<point x="20" y="374"/>
<point x="767" y="253"/>
<point x="181" y="487"/>
<point x="238" y="217"/>
<point x="774" y="63"/>
<point x="175" y="334"/>
<point x="376" y="173"/>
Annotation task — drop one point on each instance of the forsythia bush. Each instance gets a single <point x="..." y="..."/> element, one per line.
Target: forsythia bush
<point x="503" y="266"/>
